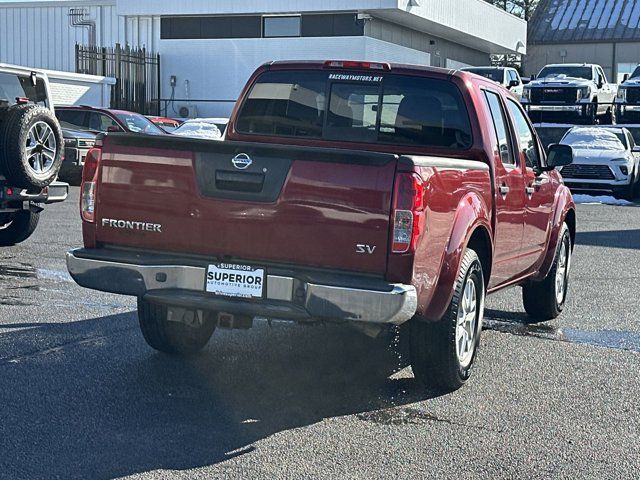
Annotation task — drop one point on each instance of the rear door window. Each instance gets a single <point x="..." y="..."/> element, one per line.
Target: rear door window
<point x="357" y="107"/>
<point x="500" y="124"/>
<point x="527" y="138"/>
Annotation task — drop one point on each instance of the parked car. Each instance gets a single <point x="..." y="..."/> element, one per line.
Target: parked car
<point x="628" y="99"/>
<point x="166" y="124"/>
<point x="356" y="192"/>
<point x="107" y="120"/>
<point x="206" y="128"/>
<point x="77" y="144"/>
<point x="31" y="148"/>
<point x="506" y="76"/>
<point x="570" y="92"/>
<point x="606" y="160"/>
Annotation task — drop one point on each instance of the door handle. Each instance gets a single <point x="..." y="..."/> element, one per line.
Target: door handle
<point x="504" y="190"/>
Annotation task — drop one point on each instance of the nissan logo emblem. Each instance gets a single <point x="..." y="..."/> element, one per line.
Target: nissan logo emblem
<point x="242" y="161"/>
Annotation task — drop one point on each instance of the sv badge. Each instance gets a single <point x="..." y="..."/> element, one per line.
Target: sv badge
<point x="365" y="249"/>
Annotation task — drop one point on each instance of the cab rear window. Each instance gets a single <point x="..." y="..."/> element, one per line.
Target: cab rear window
<point x="356" y="107"/>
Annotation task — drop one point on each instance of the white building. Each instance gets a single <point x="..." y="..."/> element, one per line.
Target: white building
<point x="211" y="47"/>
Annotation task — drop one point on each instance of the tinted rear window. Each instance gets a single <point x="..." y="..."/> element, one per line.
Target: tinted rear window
<point x="495" y="74"/>
<point x="14" y="86"/>
<point x="357" y="107"/>
<point x="73" y="117"/>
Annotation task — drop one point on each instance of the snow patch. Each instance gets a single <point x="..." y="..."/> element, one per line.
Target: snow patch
<point x="55" y="275"/>
<point x="600" y="200"/>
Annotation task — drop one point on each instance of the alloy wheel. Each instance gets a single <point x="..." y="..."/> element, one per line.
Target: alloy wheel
<point x="41" y="148"/>
<point x="467" y="323"/>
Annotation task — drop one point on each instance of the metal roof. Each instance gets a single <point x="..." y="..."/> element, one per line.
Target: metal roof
<point x="583" y="21"/>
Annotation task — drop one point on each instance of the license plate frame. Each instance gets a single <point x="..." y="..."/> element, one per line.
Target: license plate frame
<point x="235" y="281"/>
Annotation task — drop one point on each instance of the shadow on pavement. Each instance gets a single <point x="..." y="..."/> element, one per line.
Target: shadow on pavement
<point x="627" y="239"/>
<point x="96" y="402"/>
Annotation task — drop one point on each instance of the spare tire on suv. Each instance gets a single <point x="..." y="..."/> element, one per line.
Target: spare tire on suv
<point x="31" y="146"/>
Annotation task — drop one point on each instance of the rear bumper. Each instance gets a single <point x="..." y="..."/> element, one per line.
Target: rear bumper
<point x="55" y="192"/>
<point x="288" y="297"/>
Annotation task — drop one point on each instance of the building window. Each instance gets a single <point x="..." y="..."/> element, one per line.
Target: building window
<point x="237" y="26"/>
<point x="281" y="27"/>
<point x="254" y="26"/>
<point x="332" y="25"/>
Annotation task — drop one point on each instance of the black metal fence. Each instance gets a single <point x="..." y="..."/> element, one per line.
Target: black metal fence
<point x="137" y="74"/>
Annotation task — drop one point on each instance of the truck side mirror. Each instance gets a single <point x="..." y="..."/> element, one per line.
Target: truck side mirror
<point x="600" y="83"/>
<point x="559" y="156"/>
<point x="513" y="83"/>
<point x="532" y="77"/>
<point x="625" y="77"/>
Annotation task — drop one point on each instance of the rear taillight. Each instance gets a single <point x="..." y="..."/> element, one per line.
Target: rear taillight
<point x="89" y="185"/>
<point x="408" y="212"/>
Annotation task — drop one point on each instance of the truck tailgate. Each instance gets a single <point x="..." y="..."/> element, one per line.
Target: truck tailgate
<point x="247" y="202"/>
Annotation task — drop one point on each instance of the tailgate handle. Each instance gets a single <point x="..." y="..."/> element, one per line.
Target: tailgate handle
<point x="239" y="182"/>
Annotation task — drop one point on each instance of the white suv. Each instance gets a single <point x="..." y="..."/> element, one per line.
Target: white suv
<point x="606" y="159"/>
<point x="31" y="150"/>
<point x="506" y="76"/>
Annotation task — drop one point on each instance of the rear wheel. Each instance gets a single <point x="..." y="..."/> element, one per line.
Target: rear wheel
<point x="184" y="337"/>
<point x="545" y="300"/>
<point x="443" y="352"/>
<point x="18" y="228"/>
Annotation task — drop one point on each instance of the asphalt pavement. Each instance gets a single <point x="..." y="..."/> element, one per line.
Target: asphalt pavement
<point x="82" y="396"/>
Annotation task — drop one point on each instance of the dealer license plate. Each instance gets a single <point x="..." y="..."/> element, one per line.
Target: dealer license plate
<point x="231" y="280"/>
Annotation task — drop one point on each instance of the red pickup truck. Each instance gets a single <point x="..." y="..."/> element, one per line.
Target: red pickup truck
<point x="345" y="191"/>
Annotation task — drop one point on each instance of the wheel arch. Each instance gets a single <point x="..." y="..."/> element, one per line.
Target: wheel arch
<point x="480" y="242"/>
<point x="570" y="219"/>
<point x="471" y="227"/>
<point x="564" y="212"/>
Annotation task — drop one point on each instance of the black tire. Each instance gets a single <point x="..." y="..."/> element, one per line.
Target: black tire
<point x="173" y="337"/>
<point x="540" y="299"/>
<point x="592" y="118"/>
<point x="434" y="356"/>
<point x="19" y="228"/>
<point x="18" y="167"/>
<point x="628" y="193"/>
<point x="73" y="176"/>
<point x="608" y="118"/>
